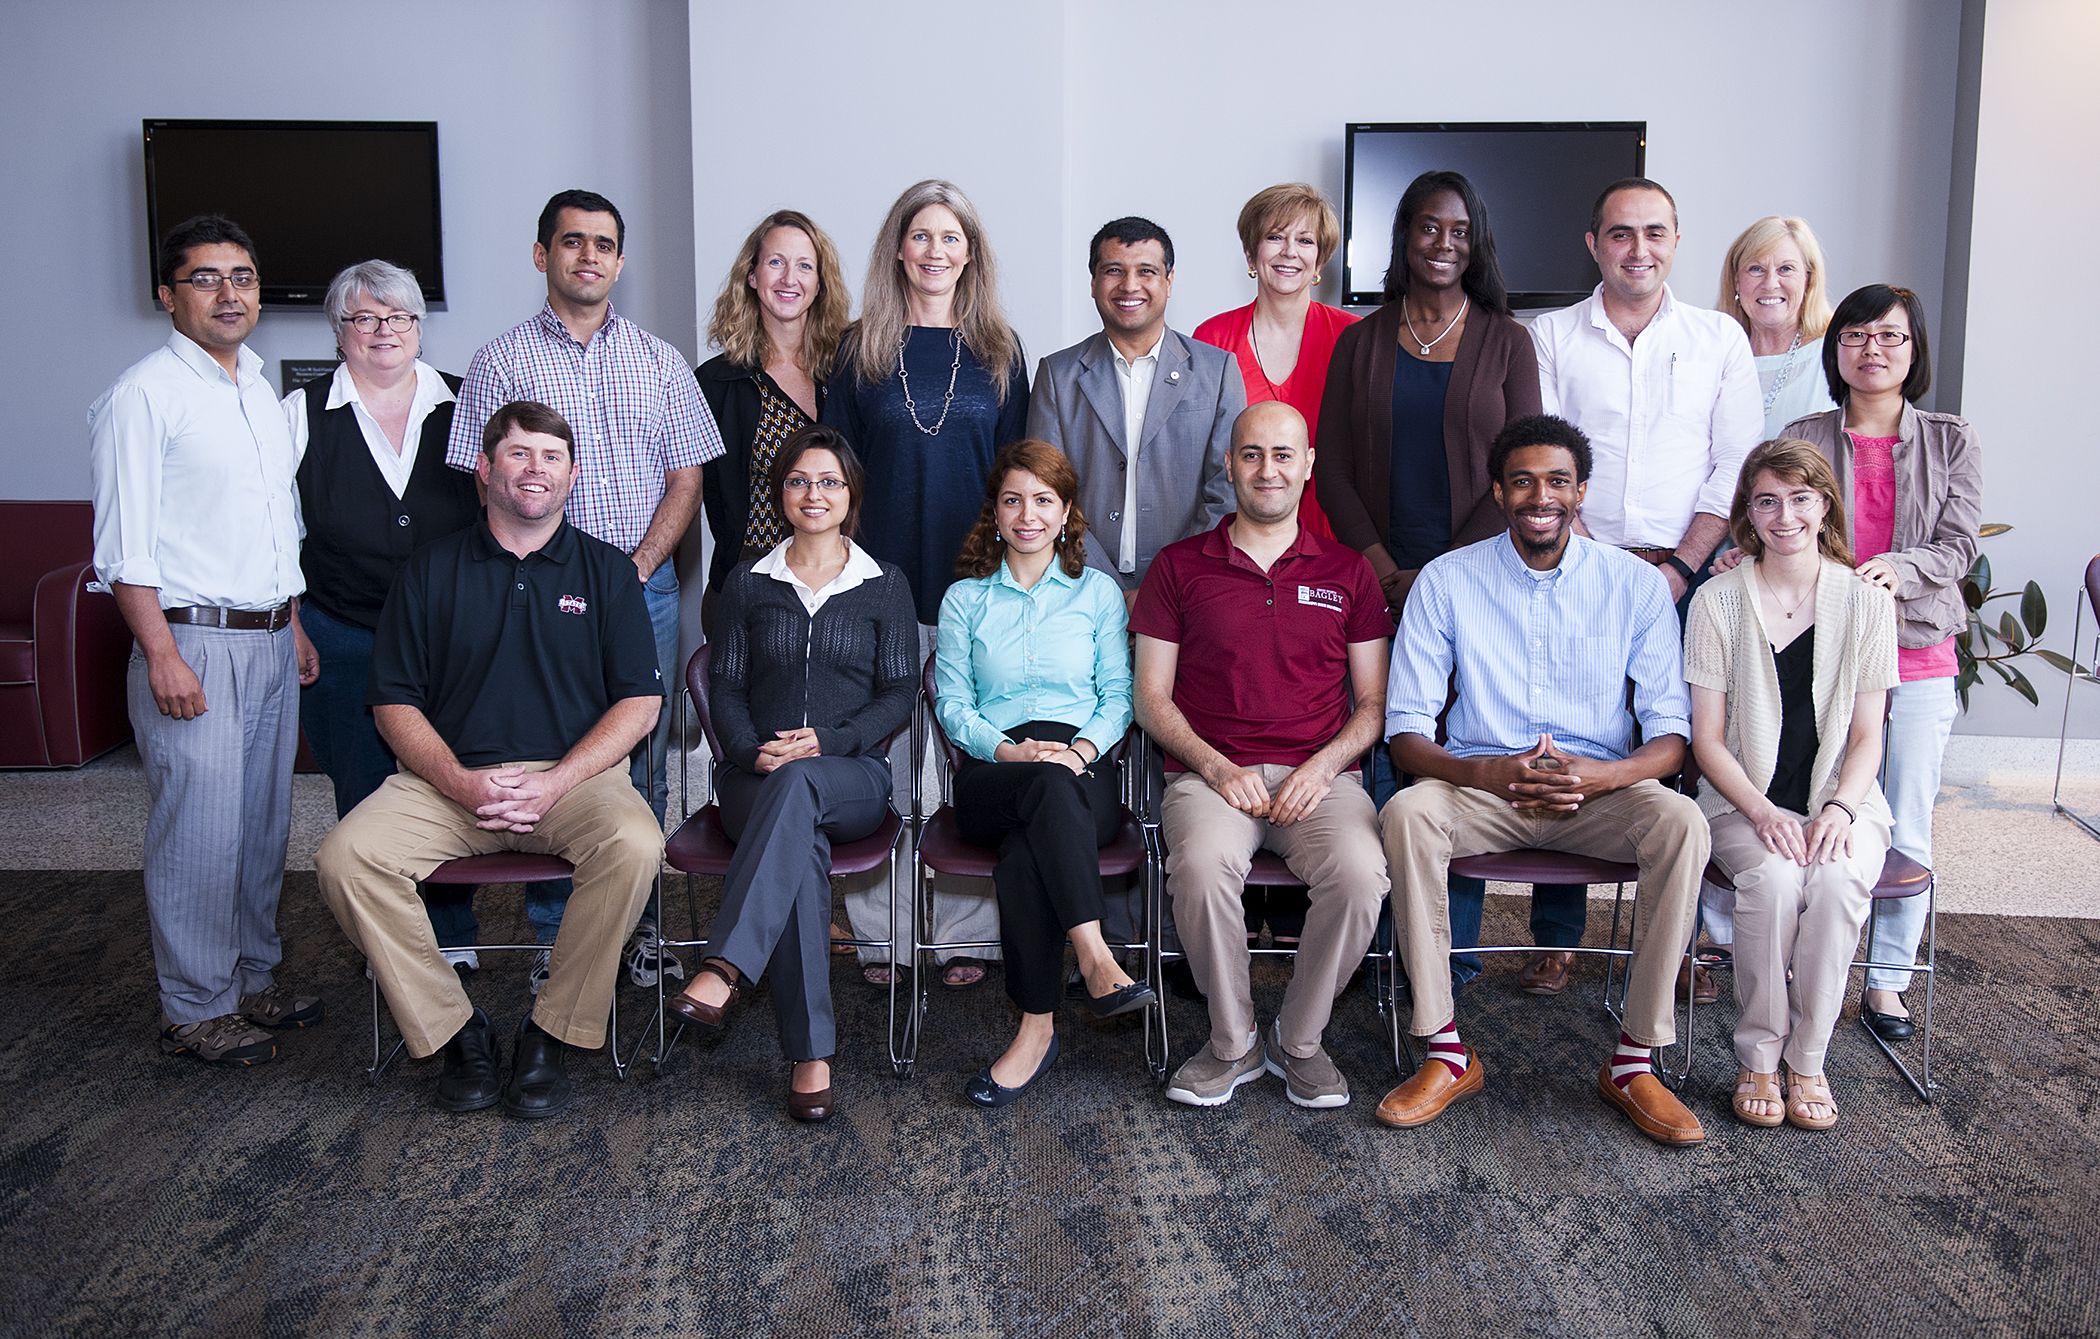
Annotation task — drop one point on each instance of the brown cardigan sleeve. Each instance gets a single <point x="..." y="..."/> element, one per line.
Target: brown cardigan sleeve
<point x="1502" y="386"/>
<point x="1352" y="469"/>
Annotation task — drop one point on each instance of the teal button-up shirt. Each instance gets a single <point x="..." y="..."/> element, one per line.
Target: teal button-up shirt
<point x="1006" y="656"/>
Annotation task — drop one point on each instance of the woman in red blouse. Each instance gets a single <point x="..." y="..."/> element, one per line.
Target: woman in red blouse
<point x="1283" y="339"/>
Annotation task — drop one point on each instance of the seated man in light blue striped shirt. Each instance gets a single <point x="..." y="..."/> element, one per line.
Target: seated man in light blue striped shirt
<point x="1543" y="628"/>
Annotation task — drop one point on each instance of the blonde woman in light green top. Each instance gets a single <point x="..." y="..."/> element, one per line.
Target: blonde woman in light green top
<point x="1772" y="283"/>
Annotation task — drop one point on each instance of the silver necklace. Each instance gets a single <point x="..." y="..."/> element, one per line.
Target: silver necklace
<point x="1447" y="329"/>
<point x="1274" y="394"/>
<point x="1786" y="371"/>
<point x="946" y="400"/>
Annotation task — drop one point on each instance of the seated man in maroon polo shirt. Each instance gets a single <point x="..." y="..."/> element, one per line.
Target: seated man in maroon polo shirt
<point x="1261" y="668"/>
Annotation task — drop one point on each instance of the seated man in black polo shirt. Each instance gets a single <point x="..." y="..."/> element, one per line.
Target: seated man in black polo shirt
<point x="512" y="674"/>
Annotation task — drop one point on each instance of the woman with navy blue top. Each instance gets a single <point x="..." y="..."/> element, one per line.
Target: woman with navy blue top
<point x="1032" y="683"/>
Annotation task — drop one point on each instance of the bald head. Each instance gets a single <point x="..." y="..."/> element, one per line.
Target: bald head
<point x="1270" y="423"/>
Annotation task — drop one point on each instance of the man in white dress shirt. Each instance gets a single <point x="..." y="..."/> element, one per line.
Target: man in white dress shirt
<point x="197" y="533"/>
<point x="1667" y="394"/>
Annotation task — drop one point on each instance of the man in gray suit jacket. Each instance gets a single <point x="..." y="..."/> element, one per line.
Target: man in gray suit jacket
<point x="1139" y="381"/>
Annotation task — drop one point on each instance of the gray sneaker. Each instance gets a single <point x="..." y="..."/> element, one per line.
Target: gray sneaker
<point x="1313" y="1080"/>
<point x="537" y="977"/>
<point x="275" y="1006"/>
<point x="1206" y="1081"/>
<point x="228" y="1039"/>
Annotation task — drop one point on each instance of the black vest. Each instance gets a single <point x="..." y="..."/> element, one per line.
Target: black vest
<point x="358" y="534"/>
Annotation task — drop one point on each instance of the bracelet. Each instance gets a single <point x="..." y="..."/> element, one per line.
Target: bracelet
<point x="1683" y="569"/>
<point x="1850" y="816"/>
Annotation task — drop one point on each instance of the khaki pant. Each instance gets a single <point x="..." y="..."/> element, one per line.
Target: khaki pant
<point x="1334" y="849"/>
<point x="1433" y="822"/>
<point x="1806" y="918"/>
<point x="370" y="864"/>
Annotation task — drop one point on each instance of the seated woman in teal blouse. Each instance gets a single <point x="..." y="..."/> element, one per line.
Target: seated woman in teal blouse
<point x="1032" y="683"/>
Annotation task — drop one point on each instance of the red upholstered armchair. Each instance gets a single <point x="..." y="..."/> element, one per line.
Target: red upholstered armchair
<point x="63" y="648"/>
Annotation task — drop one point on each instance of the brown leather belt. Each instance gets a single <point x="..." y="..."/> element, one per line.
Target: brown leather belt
<point x="244" y="620"/>
<point x="1656" y="556"/>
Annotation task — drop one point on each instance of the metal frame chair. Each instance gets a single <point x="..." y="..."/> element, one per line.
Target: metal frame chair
<point x="942" y="850"/>
<point x="700" y="846"/>
<point x="496" y="867"/>
<point x="2063" y="734"/>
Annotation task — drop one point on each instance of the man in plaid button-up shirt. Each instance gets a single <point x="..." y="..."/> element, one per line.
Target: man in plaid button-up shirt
<point x="642" y="430"/>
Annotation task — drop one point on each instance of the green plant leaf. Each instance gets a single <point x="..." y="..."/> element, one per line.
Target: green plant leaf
<point x="1992" y="528"/>
<point x="2034" y="609"/>
<point x="1971" y="593"/>
<point x="2009" y="631"/>
<point x="2001" y="671"/>
<point x="1980" y="573"/>
<point x="2062" y="662"/>
<point x="2024" y="688"/>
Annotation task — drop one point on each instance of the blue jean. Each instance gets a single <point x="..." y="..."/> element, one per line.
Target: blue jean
<point x="1559" y="911"/>
<point x="1921" y="716"/>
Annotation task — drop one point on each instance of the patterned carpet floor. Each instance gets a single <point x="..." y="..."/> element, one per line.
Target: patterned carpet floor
<point x="143" y="1195"/>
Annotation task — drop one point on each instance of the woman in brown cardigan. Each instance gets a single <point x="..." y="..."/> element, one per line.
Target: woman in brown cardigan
<point x="1415" y="393"/>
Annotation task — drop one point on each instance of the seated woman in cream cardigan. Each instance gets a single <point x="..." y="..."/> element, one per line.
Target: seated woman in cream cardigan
<point x="1790" y="658"/>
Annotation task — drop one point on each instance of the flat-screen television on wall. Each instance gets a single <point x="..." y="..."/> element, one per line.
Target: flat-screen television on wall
<point x="1538" y="180"/>
<point x="315" y="195"/>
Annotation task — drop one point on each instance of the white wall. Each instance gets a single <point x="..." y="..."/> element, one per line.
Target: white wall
<point x="2037" y="196"/>
<point x="530" y="97"/>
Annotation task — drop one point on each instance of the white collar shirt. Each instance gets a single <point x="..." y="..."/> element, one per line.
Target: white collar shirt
<point x="1134" y="377"/>
<point x="859" y="567"/>
<point x="1669" y="416"/>
<point x="193" y="478"/>
<point x="394" y="466"/>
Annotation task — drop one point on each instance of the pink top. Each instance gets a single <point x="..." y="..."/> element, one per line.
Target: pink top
<point x="1301" y="390"/>
<point x="1874" y="533"/>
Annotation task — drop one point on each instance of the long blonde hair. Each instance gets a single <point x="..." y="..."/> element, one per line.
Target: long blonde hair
<point x="1756" y="243"/>
<point x="885" y="313"/>
<point x="737" y="328"/>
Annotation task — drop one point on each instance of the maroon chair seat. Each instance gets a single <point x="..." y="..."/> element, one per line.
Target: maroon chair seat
<point x="700" y="846"/>
<point x="1901" y="876"/>
<point x="63" y="647"/>
<point x="501" y="867"/>
<point x="1541" y="866"/>
<point x="942" y="849"/>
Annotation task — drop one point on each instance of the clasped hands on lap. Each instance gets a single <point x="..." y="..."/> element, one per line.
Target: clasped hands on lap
<point x="1543" y="777"/>
<point x="1244" y="789"/>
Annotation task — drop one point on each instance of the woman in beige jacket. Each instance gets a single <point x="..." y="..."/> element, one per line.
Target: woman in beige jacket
<point x="1790" y="657"/>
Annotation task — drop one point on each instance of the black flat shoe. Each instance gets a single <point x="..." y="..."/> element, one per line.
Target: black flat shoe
<point x="539" y="1085"/>
<point x="982" y="1090"/>
<point x="1121" y="1000"/>
<point x="1888" y="1027"/>
<point x="472" y="1076"/>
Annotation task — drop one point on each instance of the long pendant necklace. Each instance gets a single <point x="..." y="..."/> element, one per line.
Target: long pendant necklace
<point x="1274" y="394"/>
<point x="946" y="400"/>
<point x="1416" y="336"/>
<point x="1786" y="371"/>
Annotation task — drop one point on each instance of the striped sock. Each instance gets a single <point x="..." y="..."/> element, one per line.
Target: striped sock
<point x="1629" y="1060"/>
<point x="1444" y="1045"/>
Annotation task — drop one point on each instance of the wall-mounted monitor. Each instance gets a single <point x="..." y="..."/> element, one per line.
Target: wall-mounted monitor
<point x="1538" y="180"/>
<point x="315" y="195"/>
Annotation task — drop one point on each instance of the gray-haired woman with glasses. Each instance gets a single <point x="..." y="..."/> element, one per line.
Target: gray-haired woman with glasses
<point x="373" y="486"/>
<point x="1913" y="485"/>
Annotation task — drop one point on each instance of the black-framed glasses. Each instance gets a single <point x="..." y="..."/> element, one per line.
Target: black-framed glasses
<point x="1887" y="339"/>
<point x="208" y="281"/>
<point x="365" y="322"/>
<point x="796" y="483"/>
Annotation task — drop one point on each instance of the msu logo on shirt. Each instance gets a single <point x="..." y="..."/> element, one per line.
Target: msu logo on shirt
<point x="1322" y="597"/>
<point x="573" y="604"/>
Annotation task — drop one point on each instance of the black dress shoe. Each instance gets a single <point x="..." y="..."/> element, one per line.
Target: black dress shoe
<point x="472" y="1076"/>
<point x="1182" y="977"/>
<point x="1121" y="1000"/>
<point x="539" y="1086"/>
<point x="986" y="1092"/>
<point x="1888" y="1027"/>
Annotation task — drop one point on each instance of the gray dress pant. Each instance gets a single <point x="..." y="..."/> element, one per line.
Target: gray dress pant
<point x="776" y="898"/>
<point x="220" y="787"/>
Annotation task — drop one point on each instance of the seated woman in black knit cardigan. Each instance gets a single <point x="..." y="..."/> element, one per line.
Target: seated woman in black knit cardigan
<point x="815" y="667"/>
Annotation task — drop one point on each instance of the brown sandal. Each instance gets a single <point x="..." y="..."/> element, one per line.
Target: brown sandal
<point x="1803" y="1090"/>
<point x="707" y="1015"/>
<point x="1751" y="1086"/>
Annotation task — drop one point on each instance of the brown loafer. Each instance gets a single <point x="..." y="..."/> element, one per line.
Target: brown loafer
<point x="1704" y="989"/>
<point x="812" y="1108"/>
<point x="1546" y="974"/>
<point x="1429" y="1090"/>
<point x="696" y="1011"/>
<point x="1653" y="1109"/>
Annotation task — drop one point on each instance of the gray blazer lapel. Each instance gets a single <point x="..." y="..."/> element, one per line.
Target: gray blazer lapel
<point x="1169" y="381"/>
<point x="1097" y="382"/>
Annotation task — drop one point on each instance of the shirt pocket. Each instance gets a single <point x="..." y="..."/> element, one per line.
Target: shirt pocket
<point x="1694" y="385"/>
<point x="1593" y="669"/>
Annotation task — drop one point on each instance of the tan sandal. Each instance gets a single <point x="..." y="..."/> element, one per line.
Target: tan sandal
<point x="1751" y="1086"/>
<point x="1804" y="1090"/>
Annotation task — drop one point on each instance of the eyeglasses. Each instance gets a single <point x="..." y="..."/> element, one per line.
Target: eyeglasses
<point x="365" y="323"/>
<point x="1887" y="339"/>
<point x="796" y="483"/>
<point x="1767" y="505"/>
<point x="208" y="281"/>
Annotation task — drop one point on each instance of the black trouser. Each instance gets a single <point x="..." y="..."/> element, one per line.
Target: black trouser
<point x="776" y="898"/>
<point x="1046" y="824"/>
